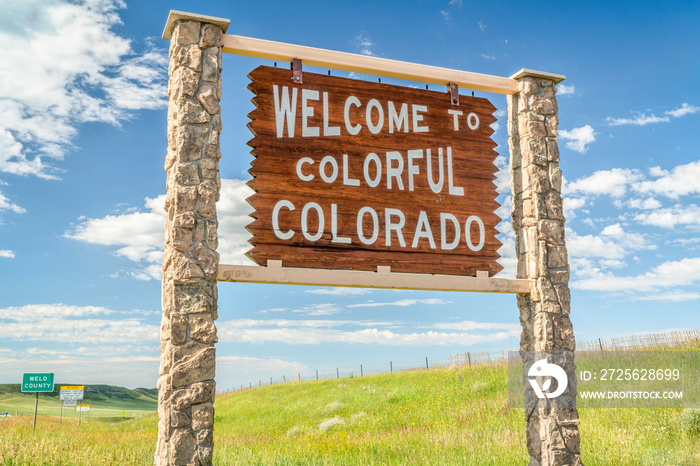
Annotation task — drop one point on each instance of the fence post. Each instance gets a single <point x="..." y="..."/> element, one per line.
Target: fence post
<point x="337" y="373"/>
<point x="316" y="374"/>
<point x="361" y="374"/>
<point x="391" y="366"/>
<point x="426" y="363"/>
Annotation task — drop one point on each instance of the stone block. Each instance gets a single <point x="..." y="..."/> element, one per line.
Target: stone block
<point x="539" y="179"/>
<point x="554" y="204"/>
<point x="205" y="445"/>
<point x="557" y="258"/>
<point x="182" y="447"/>
<point x="211" y="65"/>
<point x="197" y="366"/>
<point x="564" y="332"/>
<point x="208" y="97"/>
<point x="179" y="419"/>
<point x="196" y="393"/>
<point x="185" y="199"/>
<point x="178" y="329"/>
<point x="211" y="36"/>
<point x="551" y="231"/>
<point x="551" y="123"/>
<point x="187" y="173"/>
<point x="202" y="416"/>
<point x="205" y="258"/>
<point x="189" y="56"/>
<point x="191" y="111"/>
<point x="202" y="328"/>
<point x="192" y="298"/>
<point x="181" y="267"/>
<point x="206" y="207"/>
<point x="191" y="140"/>
<point x="186" y="32"/>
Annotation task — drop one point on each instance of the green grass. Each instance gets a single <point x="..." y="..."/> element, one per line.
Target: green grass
<point x="443" y="416"/>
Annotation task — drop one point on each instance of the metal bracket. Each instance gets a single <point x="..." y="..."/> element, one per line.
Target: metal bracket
<point x="296" y="71"/>
<point x="454" y="94"/>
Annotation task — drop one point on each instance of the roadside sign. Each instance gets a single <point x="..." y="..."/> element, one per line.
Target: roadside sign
<point x="72" y="392"/>
<point x="352" y="175"/>
<point x="82" y="408"/>
<point x="37" y="382"/>
<point x="71" y="402"/>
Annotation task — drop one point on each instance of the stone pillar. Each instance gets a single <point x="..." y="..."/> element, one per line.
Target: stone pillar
<point x="538" y="221"/>
<point x="186" y="385"/>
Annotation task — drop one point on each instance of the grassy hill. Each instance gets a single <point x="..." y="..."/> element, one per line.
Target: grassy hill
<point x="444" y="416"/>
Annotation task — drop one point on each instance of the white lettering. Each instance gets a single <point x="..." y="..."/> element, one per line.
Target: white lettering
<point x="374" y="129"/>
<point x="454" y="190"/>
<point x="360" y="225"/>
<point x="468" y="236"/>
<point x="285" y="110"/>
<point x="275" y="220"/>
<point x="397" y="227"/>
<point x="352" y="100"/>
<point x="418" y="118"/>
<point x="305" y="224"/>
<point x="306" y="112"/>
<point x="455" y="120"/>
<point x="392" y="172"/>
<point x="435" y="187"/>
<point x="301" y="162"/>
<point x="328" y="130"/>
<point x="347" y="181"/>
<point x="334" y="227"/>
<point x="413" y="169"/>
<point x="475" y="118"/>
<point x="328" y="159"/>
<point x="443" y="231"/>
<point x="372" y="157"/>
<point x="423" y="231"/>
<point x="400" y="119"/>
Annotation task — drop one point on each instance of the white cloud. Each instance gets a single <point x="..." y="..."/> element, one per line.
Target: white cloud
<point x="5" y="204"/>
<point x="364" y="44"/>
<point x="68" y="68"/>
<point x="667" y="275"/>
<point x="563" y="89"/>
<point x="613" y="243"/>
<point x="679" y="214"/>
<point x="578" y="138"/>
<point x="684" y="109"/>
<point x="138" y="235"/>
<point x="7" y="253"/>
<point x="293" y="333"/>
<point x="324" y="309"/>
<point x="613" y="182"/>
<point x="482" y="25"/>
<point x="62" y="323"/>
<point x="488" y="56"/>
<point x="644" y="204"/>
<point x="339" y="291"/>
<point x="682" y="180"/>
<point x="639" y="119"/>
<point x="403" y="303"/>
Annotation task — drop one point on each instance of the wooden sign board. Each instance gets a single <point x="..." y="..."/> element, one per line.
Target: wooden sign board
<point x="354" y="175"/>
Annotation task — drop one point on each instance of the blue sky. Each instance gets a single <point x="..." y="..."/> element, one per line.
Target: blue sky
<point x="82" y="184"/>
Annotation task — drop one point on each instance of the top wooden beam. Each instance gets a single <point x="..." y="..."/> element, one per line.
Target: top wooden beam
<point x="323" y="58"/>
<point x="311" y="56"/>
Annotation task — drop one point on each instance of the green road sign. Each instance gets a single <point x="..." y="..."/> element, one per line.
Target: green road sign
<point x="42" y="382"/>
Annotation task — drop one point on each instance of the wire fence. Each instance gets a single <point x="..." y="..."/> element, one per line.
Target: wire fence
<point x="646" y="341"/>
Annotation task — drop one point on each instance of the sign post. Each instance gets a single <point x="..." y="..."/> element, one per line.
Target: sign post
<point x="37" y="383"/>
<point x="69" y="396"/>
<point x="357" y="184"/>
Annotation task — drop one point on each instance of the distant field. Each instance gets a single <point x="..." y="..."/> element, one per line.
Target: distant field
<point x="444" y="416"/>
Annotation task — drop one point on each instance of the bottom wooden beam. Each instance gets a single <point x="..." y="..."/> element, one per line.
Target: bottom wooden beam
<point x="383" y="278"/>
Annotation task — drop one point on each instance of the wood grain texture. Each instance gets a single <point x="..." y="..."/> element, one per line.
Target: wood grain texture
<point x="339" y="155"/>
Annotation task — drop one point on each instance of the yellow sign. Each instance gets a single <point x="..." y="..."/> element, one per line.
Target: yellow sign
<point x="72" y="387"/>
